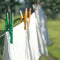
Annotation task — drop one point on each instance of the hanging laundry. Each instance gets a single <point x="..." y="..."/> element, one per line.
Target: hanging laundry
<point x="40" y="15"/>
<point x="19" y="50"/>
<point x="29" y="41"/>
<point x="6" y="47"/>
<point x="35" y="39"/>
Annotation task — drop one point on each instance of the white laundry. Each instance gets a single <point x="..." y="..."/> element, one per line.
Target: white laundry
<point x="36" y="42"/>
<point x="28" y="44"/>
<point x="6" y="47"/>
<point x="42" y="23"/>
<point x="17" y="50"/>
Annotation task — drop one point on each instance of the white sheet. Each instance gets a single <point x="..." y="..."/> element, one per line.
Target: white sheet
<point x="42" y="18"/>
<point x="6" y="47"/>
<point x="38" y="47"/>
<point x="27" y="44"/>
<point x="17" y="50"/>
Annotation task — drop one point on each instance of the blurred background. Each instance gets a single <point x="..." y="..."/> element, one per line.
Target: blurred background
<point x="52" y="10"/>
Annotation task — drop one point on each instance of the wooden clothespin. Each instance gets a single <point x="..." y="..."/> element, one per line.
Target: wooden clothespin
<point x="21" y="16"/>
<point x="25" y="17"/>
<point x="30" y="12"/>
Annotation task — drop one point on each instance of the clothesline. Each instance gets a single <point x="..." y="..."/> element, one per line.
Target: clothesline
<point x="30" y="38"/>
<point x="2" y="35"/>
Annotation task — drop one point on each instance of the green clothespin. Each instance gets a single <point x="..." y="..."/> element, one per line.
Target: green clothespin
<point x="11" y="28"/>
<point x="6" y="24"/>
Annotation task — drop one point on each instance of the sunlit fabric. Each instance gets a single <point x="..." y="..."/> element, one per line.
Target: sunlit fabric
<point x="28" y="44"/>
<point x="41" y="21"/>
<point x="17" y="50"/>
<point x="38" y="47"/>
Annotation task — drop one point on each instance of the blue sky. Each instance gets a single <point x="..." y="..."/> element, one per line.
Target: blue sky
<point x="21" y="0"/>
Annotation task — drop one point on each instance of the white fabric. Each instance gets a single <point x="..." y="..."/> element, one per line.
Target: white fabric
<point x="27" y="44"/>
<point x="42" y="23"/>
<point x="6" y="48"/>
<point x="38" y="47"/>
<point x="19" y="43"/>
<point x="33" y="38"/>
<point x="17" y="50"/>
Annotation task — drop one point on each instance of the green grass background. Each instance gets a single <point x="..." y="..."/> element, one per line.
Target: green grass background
<point x="54" y="34"/>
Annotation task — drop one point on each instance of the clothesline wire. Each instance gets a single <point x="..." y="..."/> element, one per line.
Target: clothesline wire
<point x="2" y="35"/>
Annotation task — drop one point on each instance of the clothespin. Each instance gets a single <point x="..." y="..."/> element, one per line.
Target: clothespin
<point x="21" y="16"/>
<point x="7" y="22"/>
<point x="25" y="17"/>
<point x="11" y="28"/>
<point x="30" y="12"/>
